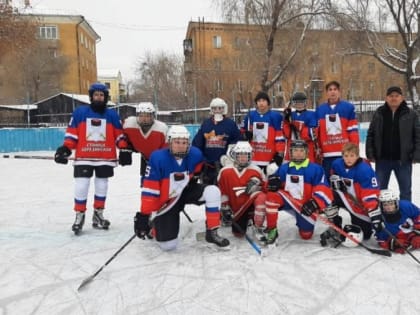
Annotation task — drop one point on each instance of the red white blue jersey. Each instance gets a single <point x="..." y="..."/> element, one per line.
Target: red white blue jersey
<point x="303" y="125"/>
<point x="337" y="126"/>
<point x="305" y="181"/>
<point x="267" y="135"/>
<point x="145" y="143"/>
<point x="361" y="183"/>
<point x="166" y="177"/>
<point x="230" y="179"/>
<point x="409" y="219"/>
<point x="213" y="138"/>
<point x="95" y="136"/>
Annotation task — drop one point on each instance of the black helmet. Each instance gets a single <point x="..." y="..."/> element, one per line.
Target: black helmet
<point x="298" y="144"/>
<point x="299" y="97"/>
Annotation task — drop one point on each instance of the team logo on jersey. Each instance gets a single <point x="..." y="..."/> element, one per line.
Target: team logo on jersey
<point x="95" y="129"/>
<point x="333" y="124"/>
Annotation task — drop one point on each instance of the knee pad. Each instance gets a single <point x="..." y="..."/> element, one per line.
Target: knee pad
<point x="212" y="196"/>
<point x="305" y="235"/>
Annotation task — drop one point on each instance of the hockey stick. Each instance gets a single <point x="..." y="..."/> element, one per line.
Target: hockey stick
<point x="187" y="216"/>
<point x="90" y="278"/>
<point x="382" y="252"/>
<point x="396" y="240"/>
<point x="249" y="239"/>
<point x="32" y="157"/>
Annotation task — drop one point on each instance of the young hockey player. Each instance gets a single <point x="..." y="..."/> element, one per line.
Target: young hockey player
<point x="145" y="134"/>
<point x="241" y="185"/>
<point x="169" y="185"/>
<point x="298" y="187"/>
<point x="263" y="129"/>
<point x="213" y="138"/>
<point x="356" y="189"/>
<point x="301" y="124"/>
<point x="402" y="220"/>
<point x="93" y="132"/>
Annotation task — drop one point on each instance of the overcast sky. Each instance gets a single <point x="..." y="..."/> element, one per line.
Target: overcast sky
<point x="129" y="28"/>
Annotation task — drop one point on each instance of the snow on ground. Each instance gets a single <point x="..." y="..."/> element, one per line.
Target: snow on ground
<point x="42" y="263"/>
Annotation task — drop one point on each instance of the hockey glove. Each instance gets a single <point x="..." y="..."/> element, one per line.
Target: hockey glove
<point x="124" y="157"/>
<point x="274" y="183"/>
<point x="415" y="241"/>
<point x="337" y="183"/>
<point x="309" y="207"/>
<point x="62" y="154"/>
<point x="287" y="114"/>
<point x="253" y="185"/>
<point x="376" y="219"/>
<point x="227" y="215"/>
<point x="331" y="212"/>
<point x="142" y="226"/>
<point x="278" y="159"/>
<point x="248" y="136"/>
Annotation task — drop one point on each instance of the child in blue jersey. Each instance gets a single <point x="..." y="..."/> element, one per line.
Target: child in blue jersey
<point x="213" y="138"/>
<point x="169" y="185"/>
<point x="356" y="189"/>
<point x="402" y="220"/>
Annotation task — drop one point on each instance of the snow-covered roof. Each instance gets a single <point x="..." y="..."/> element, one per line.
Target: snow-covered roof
<point x="20" y="107"/>
<point x="83" y="98"/>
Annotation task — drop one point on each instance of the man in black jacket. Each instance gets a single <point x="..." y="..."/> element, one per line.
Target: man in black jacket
<point x="393" y="141"/>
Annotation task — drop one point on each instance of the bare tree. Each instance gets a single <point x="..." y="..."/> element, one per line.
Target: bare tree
<point x="373" y="17"/>
<point x="160" y="79"/>
<point x="273" y="16"/>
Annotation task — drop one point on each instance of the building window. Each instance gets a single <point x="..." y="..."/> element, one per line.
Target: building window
<point x="217" y="41"/>
<point x="52" y="52"/>
<point x="81" y="38"/>
<point x="48" y="32"/>
<point x="371" y="67"/>
<point x="108" y="85"/>
<point x="218" y="85"/>
<point x="239" y="85"/>
<point x="217" y="64"/>
<point x="334" y="68"/>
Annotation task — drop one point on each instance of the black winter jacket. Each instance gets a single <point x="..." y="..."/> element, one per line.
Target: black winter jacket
<point x="409" y="131"/>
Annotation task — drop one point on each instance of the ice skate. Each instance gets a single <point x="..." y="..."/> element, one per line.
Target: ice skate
<point x="98" y="220"/>
<point x="78" y="222"/>
<point x="213" y="237"/>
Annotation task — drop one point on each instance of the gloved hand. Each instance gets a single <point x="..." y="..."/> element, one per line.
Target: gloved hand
<point x="62" y="154"/>
<point x="278" y="158"/>
<point x="248" y="136"/>
<point x="309" y="207"/>
<point x="226" y="214"/>
<point x="274" y="183"/>
<point x="142" y="226"/>
<point x="331" y="212"/>
<point x="376" y="219"/>
<point x="337" y="183"/>
<point x="287" y="114"/>
<point x="397" y="246"/>
<point x="253" y="185"/>
<point x="124" y="157"/>
<point x="415" y="241"/>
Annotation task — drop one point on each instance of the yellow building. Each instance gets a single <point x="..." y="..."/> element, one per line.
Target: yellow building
<point x="113" y="80"/>
<point x="65" y="60"/>
<point x="226" y="60"/>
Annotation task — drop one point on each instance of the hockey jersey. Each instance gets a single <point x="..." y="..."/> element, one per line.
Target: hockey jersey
<point x="361" y="184"/>
<point x="166" y="177"/>
<point x="409" y="220"/>
<point x="213" y="138"/>
<point x="145" y="143"/>
<point x="267" y="135"/>
<point x="303" y="125"/>
<point x="231" y="180"/>
<point x="337" y="126"/>
<point x="95" y="136"/>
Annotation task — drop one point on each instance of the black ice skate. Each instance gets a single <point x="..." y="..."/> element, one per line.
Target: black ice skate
<point x="98" y="220"/>
<point x="213" y="237"/>
<point x="78" y="223"/>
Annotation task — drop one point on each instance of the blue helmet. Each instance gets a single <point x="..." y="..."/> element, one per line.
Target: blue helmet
<point x="98" y="86"/>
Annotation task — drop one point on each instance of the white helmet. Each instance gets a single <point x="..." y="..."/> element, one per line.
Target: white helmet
<point x="145" y="107"/>
<point x="178" y="132"/>
<point x="218" y="108"/>
<point x="241" y="147"/>
<point x="355" y="231"/>
<point x="388" y="195"/>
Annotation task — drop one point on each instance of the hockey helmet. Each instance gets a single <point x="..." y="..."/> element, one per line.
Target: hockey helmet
<point x="146" y="114"/>
<point x="178" y="132"/>
<point x="218" y="108"/>
<point x="355" y="231"/>
<point x="241" y="149"/>
<point x="98" y="86"/>
<point x="298" y="144"/>
<point x="388" y="201"/>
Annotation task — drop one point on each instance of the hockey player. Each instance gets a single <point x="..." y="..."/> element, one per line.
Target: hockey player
<point x="263" y="129"/>
<point x="145" y="134"/>
<point x="337" y="125"/>
<point x="298" y="187"/>
<point x="241" y="185"/>
<point x="213" y="138"/>
<point x="402" y="219"/>
<point x="93" y="132"/>
<point x="301" y="124"/>
<point x="356" y="189"/>
<point x="169" y="185"/>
